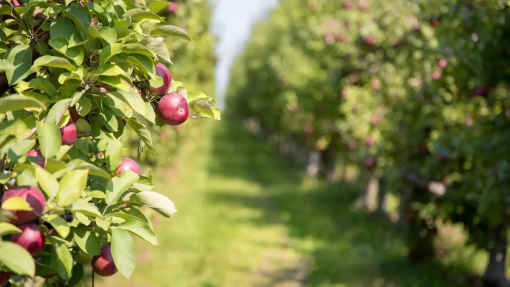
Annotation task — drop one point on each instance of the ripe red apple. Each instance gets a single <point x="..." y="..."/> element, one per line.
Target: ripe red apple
<point x="341" y="37"/>
<point x="103" y="264"/>
<point x="33" y="196"/>
<point x="375" y="84"/>
<point x="347" y="5"/>
<point x="128" y="164"/>
<point x="482" y="91"/>
<point x="371" y="40"/>
<point x="370" y="162"/>
<point x="172" y="8"/>
<point x="312" y="6"/>
<point x="69" y="134"/>
<point x="74" y="114"/>
<point x="4" y="277"/>
<point x="442" y="63"/>
<point x="31" y="238"/>
<point x="328" y="37"/>
<point x="436" y="75"/>
<point x="375" y="119"/>
<point x="36" y="153"/>
<point x="162" y="71"/>
<point x="94" y="21"/>
<point x="370" y="141"/>
<point x="362" y="4"/>
<point x="435" y="22"/>
<point x="173" y="109"/>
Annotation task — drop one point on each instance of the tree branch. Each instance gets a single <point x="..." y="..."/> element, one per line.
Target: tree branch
<point x="436" y="187"/>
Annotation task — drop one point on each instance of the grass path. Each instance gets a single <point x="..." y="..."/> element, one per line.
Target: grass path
<point x="247" y="218"/>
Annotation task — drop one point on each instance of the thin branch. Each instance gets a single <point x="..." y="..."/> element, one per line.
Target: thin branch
<point x="436" y="187"/>
<point x="32" y="131"/>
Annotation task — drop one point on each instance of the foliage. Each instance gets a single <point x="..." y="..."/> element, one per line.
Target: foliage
<point x="74" y="74"/>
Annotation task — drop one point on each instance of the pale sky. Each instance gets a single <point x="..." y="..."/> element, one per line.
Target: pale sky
<point x="231" y="24"/>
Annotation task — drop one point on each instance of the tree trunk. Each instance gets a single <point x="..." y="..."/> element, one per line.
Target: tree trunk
<point x="327" y="162"/>
<point x="405" y="198"/>
<point x="381" y="199"/>
<point x="494" y="275"/>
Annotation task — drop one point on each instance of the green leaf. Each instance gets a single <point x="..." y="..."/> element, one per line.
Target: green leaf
<point x="65" y="260"/>
<point x="43" y="85"/>
<point x="85" y="207"/>
<point x="19" y="56"/>
<point x="18" y="102"/>
<point x="204" y="107"/>
<point x="106" y="33"/>
<point x="55" y="62"/>
<point x="26" y="177"/>
<point x="7" y="228"/>
<point x="108" y="52"/>
<point x="136" y="48"/>
<point x="61" y="27"/>
<point x="16" y="258"/>
<point x="156" y="6"/>
<point x="117" y="185"/>
<point x="118" y="106"/>
<point x="18" y="149"/>
<point x="109" y="70"/>
<point x="113" y="155"/>
<point x="143" y="63"/>
<point x="15" y="127"/>
<point x="4" y="65"/>
<point x="104" y="223"/>
<point x="62" y="151"/>
<point x="123" y="251"/>
<point x="157" y="48"/>
<point x="141" y="230"/>
<point x="59" y="224"/>
<point x="150" y="115"/>
<point x="49" y="139"/>
<point x="171" y="30"/>
<point x="71" y="187"/>
<point x="79" y="164"/>
<point x="138" y="15"/>
<point x="87" y="240"/>
<point x="115" y="82"/>
<point x="47" y="181"/>
<point x="142" y="131"/>
<point x="77" y="40"/>
<point x="57" y="111"/>
<point x="83" y="106"/>
<point x="75" y="53"/>
<point x="78" y="273"/>
<point x="196" y="96"/>
<point x="82" y="126"/>
<point x="156" y="201"/>
<point x="131" y="213"/>
<point x="16" y="203"/>
<point x="132" y="98"/>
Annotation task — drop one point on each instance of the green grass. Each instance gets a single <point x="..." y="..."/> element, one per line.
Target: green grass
<point x="247" y="217"/>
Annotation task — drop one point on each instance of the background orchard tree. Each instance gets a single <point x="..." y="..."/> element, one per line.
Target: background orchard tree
<point x="76" y="76"/>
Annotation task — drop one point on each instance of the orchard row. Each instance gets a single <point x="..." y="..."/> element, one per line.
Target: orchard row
<point x="412" y="92"/>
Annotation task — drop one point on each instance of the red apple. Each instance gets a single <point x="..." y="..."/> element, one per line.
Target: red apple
<point x="362" y="4"/>
<point x="94" y="21"/>
<point x="173" y="109"/>
<point x="371" y="40"/>
<point x="347" y="5"/>
<point x="312" y="6"/>
<point x="69" y="134"/>
<point x="172" y="8"/>
<point x="128" y="164"/>
<point x="436" y="75"/>
<point x="31" y="238"/>
<point x="341" y="37"/>
<point x="370" y="162"/>
<point x="103" y="264"/>
<point x="309" y="128"/>
<point x="482" y="91"/>
<point x="36" y="153"/>
<point x="328" y="37"/>
<point x="370" y="141"/>
<point x="33" y="196"/>
<point x="442" y="63"/>
<point x="4" y="277"/>
<point x="162" y="71"/>
<point x="375" y="84"/>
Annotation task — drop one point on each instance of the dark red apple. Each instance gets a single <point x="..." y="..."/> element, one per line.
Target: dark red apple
<point x="69" y="134"/>
<point x="172" y="8"/>
<point x="74" y="114"/>
<point x="4" y="277"/>
<point x="482" y="91"/>
<point x="173" y="109"/>
<point x="162" y="71"/>
<point x="128" y="164"/>
<point x="370" y="162"/>
<point x="103" y="264"/>
<point x="31" y="238"/>
<point x="33" y="196"/>
<point x="36" y="153"/>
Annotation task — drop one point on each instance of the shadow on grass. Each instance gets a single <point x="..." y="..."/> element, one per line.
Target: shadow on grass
<point x="344" y="246"/>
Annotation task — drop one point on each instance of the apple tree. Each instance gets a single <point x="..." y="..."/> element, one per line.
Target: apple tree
<point x="74" y="77"/>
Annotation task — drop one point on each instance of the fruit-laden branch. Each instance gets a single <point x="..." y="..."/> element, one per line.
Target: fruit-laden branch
<point x="436" y="187"/>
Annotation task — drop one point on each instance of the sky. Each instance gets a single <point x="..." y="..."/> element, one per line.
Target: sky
<point x="231" y="24"/>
